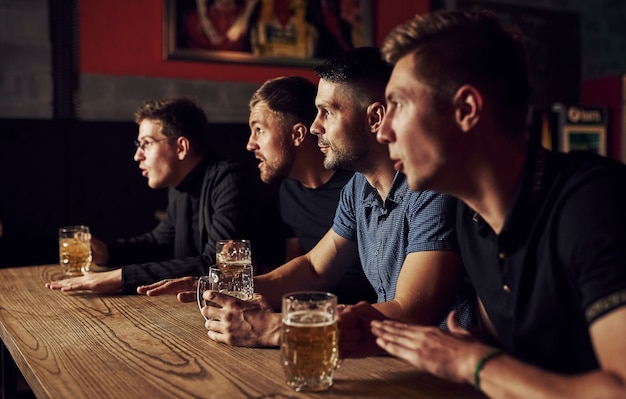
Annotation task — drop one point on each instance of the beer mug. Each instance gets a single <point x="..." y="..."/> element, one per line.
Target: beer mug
<point x="232" y="256"/>
<point x="309" y="340"/>
<point x="74" y="249"/>
<point x="239" y="284"/>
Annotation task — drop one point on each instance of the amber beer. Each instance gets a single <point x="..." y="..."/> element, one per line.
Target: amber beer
<point x="74" y="249"/>
<point x="309" y="345"/>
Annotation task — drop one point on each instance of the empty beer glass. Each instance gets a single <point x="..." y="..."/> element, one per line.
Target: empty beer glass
<point x="239" y="284"/>
<point x="232" y="256"/>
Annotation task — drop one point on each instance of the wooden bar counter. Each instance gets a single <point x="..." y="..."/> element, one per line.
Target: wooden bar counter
<point x="83" y="345"/>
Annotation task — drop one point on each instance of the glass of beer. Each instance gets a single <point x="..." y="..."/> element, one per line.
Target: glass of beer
<point x="74" y="249"/>
<point x="239" y="285"/>
<point x="309" y="341"/>
<point x="232" y="256"/>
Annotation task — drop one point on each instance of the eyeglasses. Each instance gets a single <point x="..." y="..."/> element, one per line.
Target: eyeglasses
<point x="144" y="145"/>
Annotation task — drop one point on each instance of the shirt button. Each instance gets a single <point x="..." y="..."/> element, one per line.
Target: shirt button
<point x="502" y="255"/>
<point x="376" y="253"/>
<point x="506" y="289"/>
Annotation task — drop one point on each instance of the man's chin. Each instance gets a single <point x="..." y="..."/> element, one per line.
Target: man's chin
<point x="330" y="163"/>
<point x="155" y="185"/>
<point x="268" y="177"/>
<point x="274" y="174"/>
<point x="418" y="183"/>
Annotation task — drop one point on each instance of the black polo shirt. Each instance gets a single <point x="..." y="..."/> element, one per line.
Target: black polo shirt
<point x="559" y="262"/>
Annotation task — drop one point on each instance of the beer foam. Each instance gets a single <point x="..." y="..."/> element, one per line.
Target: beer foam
<point x="306" y="318"/>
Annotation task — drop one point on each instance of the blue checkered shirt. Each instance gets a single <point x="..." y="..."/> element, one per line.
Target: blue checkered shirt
<point x="385" y="232"/>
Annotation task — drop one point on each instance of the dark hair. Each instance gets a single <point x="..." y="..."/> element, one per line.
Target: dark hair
<point x="453" y="48"/>
<point x="178" y="117"/>
<point x="362" y="68"/>
<point x="292" y="98"/>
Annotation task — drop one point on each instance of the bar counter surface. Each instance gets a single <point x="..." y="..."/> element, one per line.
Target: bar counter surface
<point x="83" y="345"/>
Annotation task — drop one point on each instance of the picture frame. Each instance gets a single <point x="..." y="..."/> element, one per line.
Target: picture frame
<point x="275" y="32"/>
<point x="585" y="138"/>
<point x="571" y="127"/>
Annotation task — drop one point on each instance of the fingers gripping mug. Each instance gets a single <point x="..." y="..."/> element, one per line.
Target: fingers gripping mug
<point x="239" y="284"/>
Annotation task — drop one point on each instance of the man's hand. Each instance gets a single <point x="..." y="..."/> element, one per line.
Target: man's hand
<point x="355" y="336"/>
<point x="250" y="323"/>
<point x="183" y="287"/>
<point x="102" y="283"/>
<point x="99" y="251"/>
<point x="451" y="355"/>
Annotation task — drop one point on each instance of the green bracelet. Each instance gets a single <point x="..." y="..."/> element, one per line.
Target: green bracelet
<point x="481" y="363"/>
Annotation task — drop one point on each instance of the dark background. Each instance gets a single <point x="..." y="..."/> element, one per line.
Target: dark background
<point x="552" y="40"/>
<point x="56" y="173"/>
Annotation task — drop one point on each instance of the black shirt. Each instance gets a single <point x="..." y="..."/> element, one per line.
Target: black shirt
<point x="217" y="200"/>
<point x="309" y="213"/>
<point x="559" y="262"/>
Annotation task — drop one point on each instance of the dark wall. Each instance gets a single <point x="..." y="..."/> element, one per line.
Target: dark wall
<point x="55" y="173"/>
<point x="553" y="43"/>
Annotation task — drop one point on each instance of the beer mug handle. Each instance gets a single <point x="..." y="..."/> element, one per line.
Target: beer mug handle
<point x="203" y="283"/>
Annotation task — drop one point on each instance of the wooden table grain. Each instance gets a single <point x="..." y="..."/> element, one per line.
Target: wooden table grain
<point x="84" y="345"/>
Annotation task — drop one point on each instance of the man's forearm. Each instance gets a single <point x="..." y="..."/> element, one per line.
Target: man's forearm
<point x="295" y="275"/>
<point x="505" y="376"/>
<point x="148" y="273"/>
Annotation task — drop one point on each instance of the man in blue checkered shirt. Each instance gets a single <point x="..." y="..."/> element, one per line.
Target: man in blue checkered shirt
<point x="406" y="240"/>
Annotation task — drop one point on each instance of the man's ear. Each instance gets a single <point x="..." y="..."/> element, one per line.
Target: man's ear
<point x="182" y="147"/>
<point x="468" y="107"/>
<point x="298" y="133"/>
<point x="375" y="115"/>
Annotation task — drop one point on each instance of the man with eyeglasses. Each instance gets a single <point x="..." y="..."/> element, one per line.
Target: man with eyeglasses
<point x="209" y="199"/>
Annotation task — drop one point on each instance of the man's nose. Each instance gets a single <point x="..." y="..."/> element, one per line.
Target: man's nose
<point x="316" y="129"/>
<point x="385" y="134"/>
<point x="138" y="155"/>
<point x="251" y="145"/>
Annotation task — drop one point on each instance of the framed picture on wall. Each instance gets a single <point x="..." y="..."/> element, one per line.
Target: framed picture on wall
<point x="585" y="138"/>
<point x="287" y="32"/>
<point x="571" y="127"/>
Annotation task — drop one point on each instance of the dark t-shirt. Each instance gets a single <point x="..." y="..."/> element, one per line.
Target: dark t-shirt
<point x="309" y="213"/>
<point x="558" y="263"/>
